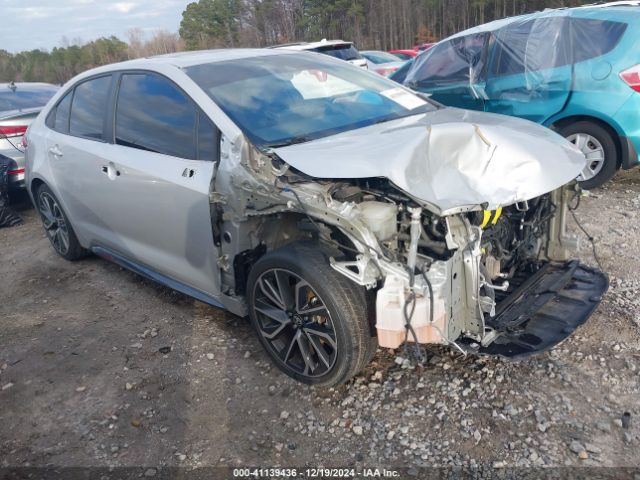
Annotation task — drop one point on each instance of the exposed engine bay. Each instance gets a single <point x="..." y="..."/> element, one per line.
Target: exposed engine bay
<point x="438" y="278"/>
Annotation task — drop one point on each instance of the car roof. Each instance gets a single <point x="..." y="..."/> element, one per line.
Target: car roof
<point x="615" y="4"/>
<point x="310" y="45"/>
<point x="620" y="9"/>
<point x="186" y="59"/>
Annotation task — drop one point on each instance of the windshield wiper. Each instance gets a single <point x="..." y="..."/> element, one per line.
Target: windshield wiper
<point x="289" y="141"/>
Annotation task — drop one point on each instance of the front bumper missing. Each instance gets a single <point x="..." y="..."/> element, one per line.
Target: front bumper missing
<point x="544" y="310"/>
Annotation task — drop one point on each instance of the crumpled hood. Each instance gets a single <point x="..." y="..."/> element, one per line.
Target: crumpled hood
<point x="450" y="158"/>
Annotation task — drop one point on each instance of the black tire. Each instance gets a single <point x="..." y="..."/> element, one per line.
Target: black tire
<point x="57" y="225"/>
<point x="603" y="136"/>
<point x="342" y="308"/>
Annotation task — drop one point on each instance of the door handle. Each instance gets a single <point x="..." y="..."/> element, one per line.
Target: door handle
<point x="111" y="171"/>
<point x="55" y="151"/>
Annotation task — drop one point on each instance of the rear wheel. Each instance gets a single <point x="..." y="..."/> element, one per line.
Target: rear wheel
<point x="599" y="147"/>
<point x="56" y="224"/>
<point x="311" y="320"/>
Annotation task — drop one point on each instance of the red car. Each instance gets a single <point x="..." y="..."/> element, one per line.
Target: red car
<point x="404" y="54"/>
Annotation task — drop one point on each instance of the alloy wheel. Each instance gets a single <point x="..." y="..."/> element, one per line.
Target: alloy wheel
<point x="294" y="323"/>
<point x="54" y="222"/>
<point x="593" y="150"/>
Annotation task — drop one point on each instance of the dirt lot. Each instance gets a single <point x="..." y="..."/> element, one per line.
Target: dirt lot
<point x="84" y="383"/>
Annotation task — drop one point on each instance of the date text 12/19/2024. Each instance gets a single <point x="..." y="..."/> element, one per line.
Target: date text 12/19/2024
<point x="250" y="473"/>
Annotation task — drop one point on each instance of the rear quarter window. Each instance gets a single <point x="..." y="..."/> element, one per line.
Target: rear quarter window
<point x="593" y="38"/>
<point x="89" y="108"/>
<point x="59" y="116"/>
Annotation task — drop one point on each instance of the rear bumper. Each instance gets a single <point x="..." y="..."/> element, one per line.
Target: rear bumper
<point x="629" y="152"/>
<point x="16" y="170"/>
<point x="625" y="121"/>
<point x="545" y="309"/>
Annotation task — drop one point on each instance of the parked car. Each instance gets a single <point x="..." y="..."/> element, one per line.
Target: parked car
<point x="335" y="208"/>
<point x="573" y="70"/>
<point x="404" y="54"/>
<point x="382" y="63"/>
<point x="20" y="103"/>
<point x="334" y="48"/>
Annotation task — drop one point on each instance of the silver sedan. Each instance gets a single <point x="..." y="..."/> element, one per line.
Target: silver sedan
<point x="337" y="209"/>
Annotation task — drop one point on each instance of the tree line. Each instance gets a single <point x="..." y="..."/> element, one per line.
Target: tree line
<point x="74" y="57"/>
<point x="371" y="24"/>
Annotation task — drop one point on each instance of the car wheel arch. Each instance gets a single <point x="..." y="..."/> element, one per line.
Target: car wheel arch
<point x="561" y="123"/>
<point x="281" y="230"/>
<point x="36" y="183"/>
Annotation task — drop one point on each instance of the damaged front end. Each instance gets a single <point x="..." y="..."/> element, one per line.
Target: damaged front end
<point x="492" y="278"/>
<point x="494" y="282"/>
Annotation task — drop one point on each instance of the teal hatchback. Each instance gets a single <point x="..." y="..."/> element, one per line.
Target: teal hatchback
<point x="576" y="70"/>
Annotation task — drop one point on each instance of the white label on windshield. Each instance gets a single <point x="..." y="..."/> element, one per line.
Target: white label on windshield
<point x="402" y="97"/>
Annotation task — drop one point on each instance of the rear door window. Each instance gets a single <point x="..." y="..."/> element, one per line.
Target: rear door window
<point x="153" y="114"/>
<point x="531" y="46"/>
<point x="593" y="38"/>
<point x="89" y="108"/>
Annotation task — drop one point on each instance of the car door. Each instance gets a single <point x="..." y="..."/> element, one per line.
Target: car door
<point x="530" y="70"/>
<point x="159" y="171"/>
<point x="76" y="143"/>
<point x="453" y="71"/>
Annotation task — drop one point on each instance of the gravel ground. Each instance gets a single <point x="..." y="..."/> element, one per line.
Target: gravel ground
<point x="99" y="367"/>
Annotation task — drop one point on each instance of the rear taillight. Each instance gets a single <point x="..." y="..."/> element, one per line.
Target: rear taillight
<point x="12" y="130"/>
<point x="631" y="77"/>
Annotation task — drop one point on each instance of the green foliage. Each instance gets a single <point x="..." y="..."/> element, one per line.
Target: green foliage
<point x="60" y="64"/>
<point x="211" y="23"/>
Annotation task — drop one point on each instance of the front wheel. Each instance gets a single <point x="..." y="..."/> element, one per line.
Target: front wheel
<point x="599" y="147"/>
<point x="312" y="321"/>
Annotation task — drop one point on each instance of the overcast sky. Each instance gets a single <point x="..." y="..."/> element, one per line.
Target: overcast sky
<point x="30" y="24"/>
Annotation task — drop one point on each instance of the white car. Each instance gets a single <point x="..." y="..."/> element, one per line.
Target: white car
<point x="334" y="207"/>
<point x="334" y="48"/>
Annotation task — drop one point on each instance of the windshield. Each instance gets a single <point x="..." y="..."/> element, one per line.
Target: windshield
<point x="344" y="51"/>
<point x="281" y="99"/>
<point x="23" y="98"/>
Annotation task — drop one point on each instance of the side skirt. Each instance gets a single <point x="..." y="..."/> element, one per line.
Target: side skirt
<point x="146" y="272"/>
